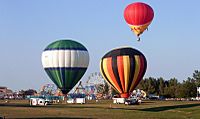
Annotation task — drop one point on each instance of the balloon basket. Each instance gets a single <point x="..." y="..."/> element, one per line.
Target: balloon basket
<point x="124" y="95"/>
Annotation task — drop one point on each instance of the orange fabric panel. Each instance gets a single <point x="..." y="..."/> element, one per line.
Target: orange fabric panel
<point x="120" y="65"/>
<point x="111" y="74"/>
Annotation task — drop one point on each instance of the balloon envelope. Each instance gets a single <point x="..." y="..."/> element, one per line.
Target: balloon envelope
<point x="138" y="16"/>
<point x="65" y="62"/>
<point x="123" y="69"/>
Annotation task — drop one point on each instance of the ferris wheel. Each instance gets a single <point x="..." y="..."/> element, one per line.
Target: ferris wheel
<point x="95" y="84"/>
<point x="48" y="89"/>
<point x="95" y="78"/>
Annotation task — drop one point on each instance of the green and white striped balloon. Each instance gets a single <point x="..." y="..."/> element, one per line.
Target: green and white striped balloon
<point x="65" y="62"/>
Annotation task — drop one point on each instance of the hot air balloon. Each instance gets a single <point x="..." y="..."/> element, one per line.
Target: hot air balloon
<point x="65" y="62"/>
<point x="138" y="16"/>
<point x="123" y="69"/>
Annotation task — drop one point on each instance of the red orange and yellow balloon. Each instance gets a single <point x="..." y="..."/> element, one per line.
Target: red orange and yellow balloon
<point x="123" y="69"/>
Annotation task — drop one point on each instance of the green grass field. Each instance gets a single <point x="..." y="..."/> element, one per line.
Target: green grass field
<point x="104" y="109"/>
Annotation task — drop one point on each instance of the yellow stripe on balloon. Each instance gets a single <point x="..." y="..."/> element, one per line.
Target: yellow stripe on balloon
<point x="101" y="70"/>
<point x="105" y="68"/>
<point x="137" y="70"/>
<point x="139" y="29"/>
<point x="126" y="61"/>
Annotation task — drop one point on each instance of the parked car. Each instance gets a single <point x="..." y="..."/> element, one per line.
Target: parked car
<point x="132" y="101"/>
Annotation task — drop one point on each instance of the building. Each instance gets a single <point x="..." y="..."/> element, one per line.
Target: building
<point x="2" y="92"/>
<point x="5" y="92"/>
<point x="3" y="89"/>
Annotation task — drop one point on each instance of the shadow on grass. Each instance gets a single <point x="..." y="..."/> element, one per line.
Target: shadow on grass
<point x="152" y="109"/>
<point x="164" y="108"/>
<point x="49" y="106"/>
<point x="13" y="105"/>
<point x="54" y="118"/>
<point x="145" y="102"/>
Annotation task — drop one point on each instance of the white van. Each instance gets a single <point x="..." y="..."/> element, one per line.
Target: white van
<point x="80" y="100"/>
<point x="38" y="101"/>
<point x="76" y="100"/>
<point x="118" y="100"/>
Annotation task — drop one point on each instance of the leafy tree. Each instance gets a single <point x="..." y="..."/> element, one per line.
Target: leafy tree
<point x="180" y="91"/>
<point x="141" y="85"/>
<point x="150" y="85"/>
<point x="196" y="77"/>
<point x="30" y="92"/>
<point x="161" y="86"/>
<point x="171" y="88"/>
<point x="189" y="87"/>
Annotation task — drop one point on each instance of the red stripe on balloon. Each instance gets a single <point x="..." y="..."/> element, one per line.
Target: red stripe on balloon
<point x="112" y="76"/>
<point x="120" y="66"/>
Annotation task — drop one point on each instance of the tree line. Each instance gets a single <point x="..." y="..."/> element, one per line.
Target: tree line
<point x="171" y="88"/>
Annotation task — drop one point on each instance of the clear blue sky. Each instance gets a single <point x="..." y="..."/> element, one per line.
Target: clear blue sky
<point x="171" y="45"/>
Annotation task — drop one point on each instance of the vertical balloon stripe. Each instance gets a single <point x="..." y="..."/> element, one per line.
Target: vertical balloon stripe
<point x="105" y="69"/>
<point x="58" y="84"/>
<point x="133" y="19"/>
<point x="73" y="58"/>
<point x="111" y="73"/>
<point x="65" y="56"/>
<point x="58" y="62"/>
<point x="142" y="71"/>
<point x="126" y="61"/>
<point x="115" y="72"/>
<point x="144" y="15"/>
<point x="52" y="74"/>
<point x="61" y="58"/>
<point x="76" y="76"/>
<point x="69" y="74"/>
<point x="102" y="70"/>
<point x="137" y="70"/>
<point x="62" y="76"/>
<point x="61" y="62"/>
<point x="58" y="76"/>
<point x="132" y="70"/>
<point x="139" y="13"/>
<point x="121" y="71"/>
